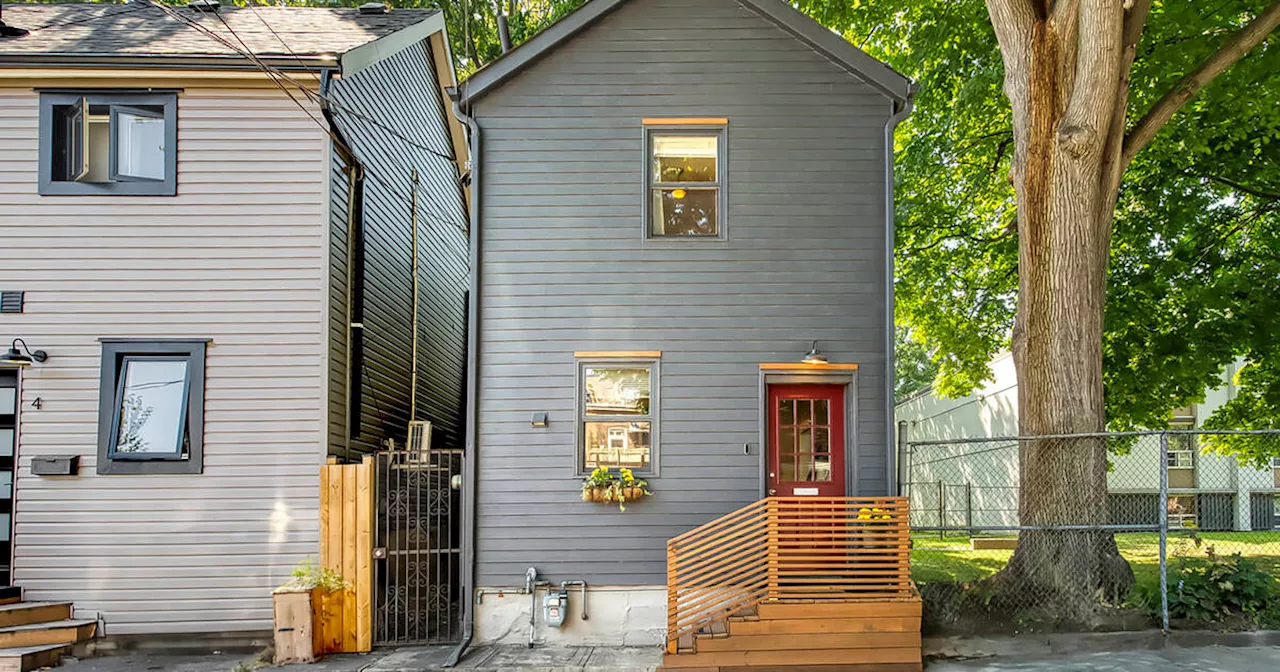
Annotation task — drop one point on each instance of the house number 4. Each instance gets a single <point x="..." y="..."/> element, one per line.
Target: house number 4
<point x="37" y="403"/>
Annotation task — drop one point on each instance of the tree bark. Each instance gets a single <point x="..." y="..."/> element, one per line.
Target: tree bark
<point x="1067" y="69"/>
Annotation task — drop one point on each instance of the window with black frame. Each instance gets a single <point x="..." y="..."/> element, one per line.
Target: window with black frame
<point x="151" y="411"/>
<point x="108" y="143"/>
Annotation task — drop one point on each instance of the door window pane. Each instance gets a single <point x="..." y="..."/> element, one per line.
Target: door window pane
<point x="787" y="466"/>
<point x="6" y="442"/>
<point x="820" y="411"/>
<point x="8" y="401"/>
<point x="803" y="411"/>
<point x="140" y="144"/>
<point x="822" y="468"/>
<point x="786" y="412"/>
<point x="152" y="411"/>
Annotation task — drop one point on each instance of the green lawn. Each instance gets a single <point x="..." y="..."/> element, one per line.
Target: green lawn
<point x="951" y="560"/>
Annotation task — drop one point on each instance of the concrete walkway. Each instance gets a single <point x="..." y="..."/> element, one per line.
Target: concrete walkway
<point x="557" y="659"/>
<point x="1198" y="659"/>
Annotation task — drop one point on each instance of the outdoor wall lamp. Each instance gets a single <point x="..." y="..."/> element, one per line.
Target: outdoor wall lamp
<point x="23" y="357"/>
<point x="815" y="356"/>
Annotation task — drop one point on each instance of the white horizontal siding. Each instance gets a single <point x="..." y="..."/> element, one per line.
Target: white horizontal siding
<point x="239" y="257"/>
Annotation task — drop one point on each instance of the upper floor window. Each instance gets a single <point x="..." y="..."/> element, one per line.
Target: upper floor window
<point x="684" y="180"/>
<point x="108" y="143"/>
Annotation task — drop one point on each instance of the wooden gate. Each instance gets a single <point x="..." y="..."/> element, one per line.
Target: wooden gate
<point x="346" y="547"/>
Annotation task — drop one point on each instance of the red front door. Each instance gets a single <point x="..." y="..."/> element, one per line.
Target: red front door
<point x="806" y="440"/>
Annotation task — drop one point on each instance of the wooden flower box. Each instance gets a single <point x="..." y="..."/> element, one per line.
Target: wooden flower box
<point x="297" y="625"/>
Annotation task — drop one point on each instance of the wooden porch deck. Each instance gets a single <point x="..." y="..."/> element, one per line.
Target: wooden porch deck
<point x="795" y="584"/>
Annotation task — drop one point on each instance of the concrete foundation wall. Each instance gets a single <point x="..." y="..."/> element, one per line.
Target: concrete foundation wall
<point x="617" y="616"/>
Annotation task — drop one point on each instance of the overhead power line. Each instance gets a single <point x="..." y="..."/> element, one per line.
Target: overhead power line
<point x="279" y="78"/>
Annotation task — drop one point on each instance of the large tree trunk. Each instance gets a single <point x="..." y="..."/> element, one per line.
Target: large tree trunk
<point x="1063" y="77"/>
<point x="1067" y="66"/>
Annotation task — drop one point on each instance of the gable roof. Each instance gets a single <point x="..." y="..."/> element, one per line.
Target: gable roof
<point x="834" y="47"/>
<point x="137" y="29"/>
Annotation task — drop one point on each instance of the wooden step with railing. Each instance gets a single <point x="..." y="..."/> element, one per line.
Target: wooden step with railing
<point x="795" y="581"/>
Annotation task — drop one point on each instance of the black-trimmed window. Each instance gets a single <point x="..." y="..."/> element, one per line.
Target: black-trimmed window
<point x="684" y="181"/>
<point x="108" y="143"/>
<point x="617" y="415"/>
<point x="151" y="407"/>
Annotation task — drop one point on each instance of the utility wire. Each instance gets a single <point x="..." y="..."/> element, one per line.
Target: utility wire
<point x="276" y="75"/>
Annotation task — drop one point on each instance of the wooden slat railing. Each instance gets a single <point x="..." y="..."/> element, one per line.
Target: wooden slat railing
<point x="787" y="548"/>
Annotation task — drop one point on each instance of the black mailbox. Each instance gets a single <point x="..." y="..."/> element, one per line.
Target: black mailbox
<point x="55" y="465"/>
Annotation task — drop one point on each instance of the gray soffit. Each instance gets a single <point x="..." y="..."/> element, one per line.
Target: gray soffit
<point x="834" y="47"/>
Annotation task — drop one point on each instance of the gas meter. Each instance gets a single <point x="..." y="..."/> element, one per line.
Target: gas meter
<point x="553" y="607"/>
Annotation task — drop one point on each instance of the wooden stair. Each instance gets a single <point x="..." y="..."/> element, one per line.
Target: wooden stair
<point x="35" y="635"/>
<point x="881" y="635"/>
<point x="795" y="584"/>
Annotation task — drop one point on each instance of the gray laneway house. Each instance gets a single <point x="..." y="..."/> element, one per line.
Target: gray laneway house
<point x="682" y="236"/>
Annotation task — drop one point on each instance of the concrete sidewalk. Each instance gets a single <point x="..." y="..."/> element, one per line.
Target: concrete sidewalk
<point x="1198" y="659"/>
<point x="647" y="659"/>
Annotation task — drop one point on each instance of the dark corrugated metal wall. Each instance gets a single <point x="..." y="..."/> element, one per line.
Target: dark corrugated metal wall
<point x="391" y="115"/>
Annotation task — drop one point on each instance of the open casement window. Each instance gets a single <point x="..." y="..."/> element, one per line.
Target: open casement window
<point x="684" y="178"/>
<point x="617" y="415"/>
<point x="151" y="410"/>
<point x="108" y="143"/>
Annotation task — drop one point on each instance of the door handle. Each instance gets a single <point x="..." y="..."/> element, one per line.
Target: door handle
<point x="772" y="492"/>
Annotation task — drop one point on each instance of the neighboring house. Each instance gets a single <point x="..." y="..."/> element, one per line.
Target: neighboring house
<point x="673" y="202"/>
<point x="1207" y="490"/>
<point x="219" y="267"/>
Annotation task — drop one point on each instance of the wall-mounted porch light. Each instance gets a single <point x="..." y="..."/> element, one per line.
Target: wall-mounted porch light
<point x="23" y="357"/>
<point x="815" y="356"/>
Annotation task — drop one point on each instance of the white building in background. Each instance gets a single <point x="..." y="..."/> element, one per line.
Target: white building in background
<point x="977" y="483"/>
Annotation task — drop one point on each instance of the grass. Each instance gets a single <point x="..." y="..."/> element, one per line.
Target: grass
<point x="952" y="560"/>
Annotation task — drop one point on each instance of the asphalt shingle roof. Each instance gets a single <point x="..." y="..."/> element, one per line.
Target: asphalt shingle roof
<point x="138" y="28"/>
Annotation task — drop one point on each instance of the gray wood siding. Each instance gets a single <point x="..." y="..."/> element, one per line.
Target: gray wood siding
<point x="565" y="267"/>
<point x="238" y="256"/>
<point x="391" y="115"/>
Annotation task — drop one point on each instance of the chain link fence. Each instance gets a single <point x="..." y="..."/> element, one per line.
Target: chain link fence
<point x="1097" y="531"/>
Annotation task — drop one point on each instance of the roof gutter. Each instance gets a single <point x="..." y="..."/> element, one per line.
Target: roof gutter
<point x="200" y="62"/>
<point x="901" y="109"/>
<point x="469" y="457"/>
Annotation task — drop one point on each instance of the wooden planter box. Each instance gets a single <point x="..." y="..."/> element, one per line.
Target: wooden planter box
<point x="597" y="494"/>
<point x="297" y="621"/>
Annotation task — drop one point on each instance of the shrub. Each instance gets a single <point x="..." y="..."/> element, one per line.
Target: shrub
<point x="1218" y="586"/>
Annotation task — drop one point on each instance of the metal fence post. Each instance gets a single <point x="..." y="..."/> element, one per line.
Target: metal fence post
<point x="1164" y="531"/>
<point x="968" y="506"/>
<point x="942" y="512"/>
<point x="903" y="473"/>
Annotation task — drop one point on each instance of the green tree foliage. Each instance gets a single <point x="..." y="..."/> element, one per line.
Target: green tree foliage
<point x="1195" y="260"/>
<point x="914" y="368"/>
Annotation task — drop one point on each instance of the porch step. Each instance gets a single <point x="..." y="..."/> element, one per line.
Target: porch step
<point x="26" y="613"/>
<point x="27" y="658"/>
<point x="10" y="594"/>
<point x="866" y="635"/>
<point x="67" y="631"/>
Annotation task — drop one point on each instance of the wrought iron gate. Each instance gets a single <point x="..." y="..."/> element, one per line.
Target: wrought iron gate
<point x="417" y="548"/>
